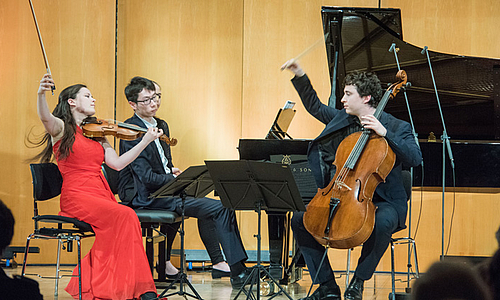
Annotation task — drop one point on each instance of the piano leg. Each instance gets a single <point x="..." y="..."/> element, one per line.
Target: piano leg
<point x="276" y="227"/>
<point x="280" y="235"/>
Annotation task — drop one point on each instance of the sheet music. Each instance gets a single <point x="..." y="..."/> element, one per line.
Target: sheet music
<point x="289" y="105"/>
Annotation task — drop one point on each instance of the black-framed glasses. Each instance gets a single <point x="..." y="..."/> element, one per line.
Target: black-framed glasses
<point x="156" y="98"/>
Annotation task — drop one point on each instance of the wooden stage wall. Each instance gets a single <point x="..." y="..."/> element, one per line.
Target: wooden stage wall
<point x="218" y="64"/>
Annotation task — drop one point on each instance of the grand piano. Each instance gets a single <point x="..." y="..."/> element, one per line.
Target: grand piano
<point x="468" y="87"/>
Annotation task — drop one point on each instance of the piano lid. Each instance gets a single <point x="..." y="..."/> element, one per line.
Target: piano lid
<point x="468" y="87"/>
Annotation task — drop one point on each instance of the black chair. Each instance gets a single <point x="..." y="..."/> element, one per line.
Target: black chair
<point x="406" y="176"/>
<point x="47" y="183"/>
<point x="151" y="220"/>
<point x="412" y="248"/>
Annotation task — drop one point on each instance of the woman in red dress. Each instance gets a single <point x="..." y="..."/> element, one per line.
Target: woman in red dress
<point x="116" y="267"/>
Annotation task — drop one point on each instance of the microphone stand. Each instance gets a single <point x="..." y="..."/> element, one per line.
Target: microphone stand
<point x="446" y="146"/>
<point x="408" y="84"/>
<point x="415" y="135"/>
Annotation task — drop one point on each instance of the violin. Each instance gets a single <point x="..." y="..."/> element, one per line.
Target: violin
<point x="342" y="215"/>
<point x="99" y="128"/>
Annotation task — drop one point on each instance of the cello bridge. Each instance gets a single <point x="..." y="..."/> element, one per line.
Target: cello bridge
<point x="340" y="184"/>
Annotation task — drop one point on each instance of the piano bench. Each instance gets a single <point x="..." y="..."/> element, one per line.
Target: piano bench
<point x="150" y="220"/>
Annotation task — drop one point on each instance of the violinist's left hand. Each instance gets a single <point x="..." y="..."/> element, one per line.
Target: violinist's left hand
<point x="370" y="122"/>
<point x="152" y="134"/>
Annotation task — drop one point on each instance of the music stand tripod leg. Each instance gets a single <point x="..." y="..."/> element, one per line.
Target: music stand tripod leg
<point x="254" y="277"/>
<point x="182" y="277"/>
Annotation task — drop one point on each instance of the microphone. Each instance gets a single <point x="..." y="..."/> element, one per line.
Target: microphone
<point x="424" y="50"/>
<point x="393" y="46"/>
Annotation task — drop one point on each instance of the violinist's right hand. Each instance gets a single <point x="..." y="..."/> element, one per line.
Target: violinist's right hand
<point x="46" y="84"/>
<point x="294" y="66"/>
<point x="152" y="134"/>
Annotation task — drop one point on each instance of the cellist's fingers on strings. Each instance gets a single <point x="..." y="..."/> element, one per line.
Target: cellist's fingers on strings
<point x="294" y="66"/>
<point x="370" y="122"/>
<point x="46" y="83"/>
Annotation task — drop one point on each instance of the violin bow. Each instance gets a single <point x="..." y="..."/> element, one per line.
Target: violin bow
<point x="41" y="45"/>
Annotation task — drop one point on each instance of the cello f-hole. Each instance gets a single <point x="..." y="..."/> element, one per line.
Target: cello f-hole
<point x="357" y="190"/>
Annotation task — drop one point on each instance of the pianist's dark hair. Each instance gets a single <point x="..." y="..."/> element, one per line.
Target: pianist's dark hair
<point x="136" y="85"/>
<point x="366" y="84"/>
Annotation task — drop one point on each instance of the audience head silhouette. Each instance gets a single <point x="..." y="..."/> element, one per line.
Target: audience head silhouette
<point x="6" y="227"/>
<point x="447" y="281"/>
<point x="494" y="275"/>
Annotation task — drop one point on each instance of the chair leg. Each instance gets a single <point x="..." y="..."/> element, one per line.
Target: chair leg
<point x="162" y="256"/>
<point x="415" y="258"/>
<point x="59" y="244"/>
<point x="150" y="248"/>
<point x="348" y="269"/>
<point x="393" y="272"/>
<point x="26" y="250"/>
<point x="78" y="242"/>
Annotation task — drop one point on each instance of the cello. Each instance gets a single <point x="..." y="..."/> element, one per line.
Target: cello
<point x="342" y="215"/>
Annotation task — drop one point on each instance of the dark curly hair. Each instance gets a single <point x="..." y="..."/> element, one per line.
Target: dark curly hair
<point x="367" y="84"/>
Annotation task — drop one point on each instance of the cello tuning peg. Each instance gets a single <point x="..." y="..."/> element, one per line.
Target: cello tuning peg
<point x="406" y="86"/>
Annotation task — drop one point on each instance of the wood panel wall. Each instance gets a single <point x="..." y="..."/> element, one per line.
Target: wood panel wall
<point x="79" y="42"/>
<point x="218" y="64"/>
<point x="193" y="49"/>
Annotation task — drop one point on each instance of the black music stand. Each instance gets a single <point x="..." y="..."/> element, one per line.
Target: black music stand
<point x="253" y="185"/>
<point x="195" y="182"/>
<point x="281" y="124"/>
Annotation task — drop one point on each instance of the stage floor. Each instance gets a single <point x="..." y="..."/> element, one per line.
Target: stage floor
<point x="378" y="287"/>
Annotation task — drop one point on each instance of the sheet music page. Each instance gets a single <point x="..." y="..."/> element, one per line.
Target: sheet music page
<point x="288" y="105"/>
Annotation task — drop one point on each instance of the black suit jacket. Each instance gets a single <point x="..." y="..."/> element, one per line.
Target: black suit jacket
<point x="146" y="171"/>
<point x="399" y="137"/>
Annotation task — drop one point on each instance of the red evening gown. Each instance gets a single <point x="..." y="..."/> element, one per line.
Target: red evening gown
<point x="116" y="267"/>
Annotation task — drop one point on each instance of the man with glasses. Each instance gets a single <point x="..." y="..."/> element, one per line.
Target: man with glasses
<point x="153" y="168"/>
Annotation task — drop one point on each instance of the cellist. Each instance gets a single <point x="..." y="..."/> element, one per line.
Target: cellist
<point x="362" y="93"/>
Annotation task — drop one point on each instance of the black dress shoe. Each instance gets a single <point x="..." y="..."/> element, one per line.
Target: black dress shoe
<point x="238" y="281"/>
<point x="324" y="292"/>
<point x="355" y="289"/>
<point x="174" y="276"/>
<point x="276" y="272"/>
<point x="219" y="273"/>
